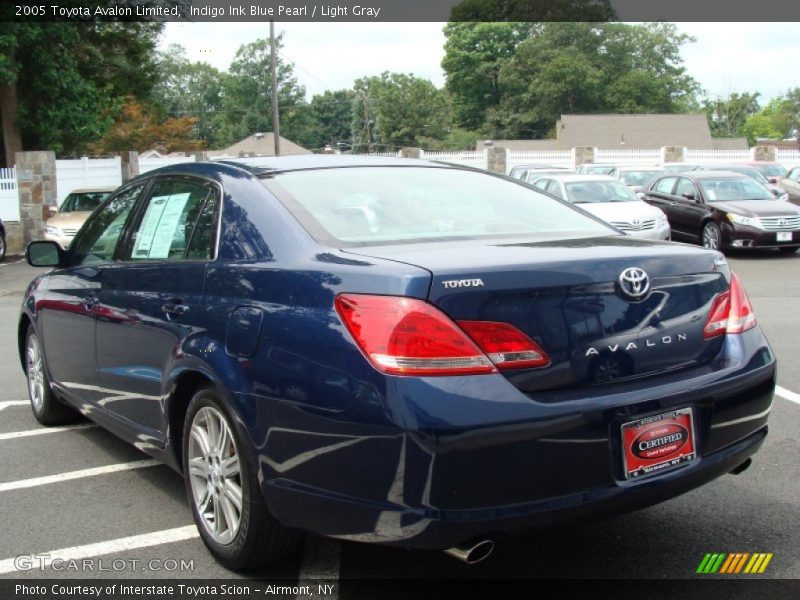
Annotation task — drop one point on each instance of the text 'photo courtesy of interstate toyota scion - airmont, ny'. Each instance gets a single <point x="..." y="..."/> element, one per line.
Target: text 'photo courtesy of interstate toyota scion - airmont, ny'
<point x="392" y="351"/>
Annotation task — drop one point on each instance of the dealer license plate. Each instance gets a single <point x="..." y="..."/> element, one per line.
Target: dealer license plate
<point x="658" y="443"/>
<point x="784" y="236"/>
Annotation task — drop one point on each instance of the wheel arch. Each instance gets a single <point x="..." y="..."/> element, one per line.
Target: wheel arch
<point x="25" y="323"/>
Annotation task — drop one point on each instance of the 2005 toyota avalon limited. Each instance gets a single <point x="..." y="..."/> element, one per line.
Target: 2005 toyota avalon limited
<point x="392" y="351"/>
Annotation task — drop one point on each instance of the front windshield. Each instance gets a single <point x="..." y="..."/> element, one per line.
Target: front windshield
<point x="639" y="178"/>
<point x="724" y="189"/>
<point x="373" y="205"/>
<point x="585" y="192"/>
<point x="83" y="201"/>
<point x="772" y="170"/>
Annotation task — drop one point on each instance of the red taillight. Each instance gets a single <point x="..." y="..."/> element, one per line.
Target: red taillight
<point x="731" y="312"/>
<point x="406" y="336"/>
<point x="506" y="346"/>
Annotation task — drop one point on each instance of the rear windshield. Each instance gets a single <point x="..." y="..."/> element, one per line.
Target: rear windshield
<point x="373" y="205"/>
<point x="588" y="192"/>
<point x="772" y="170"/>
<point x="83" y="201"/>
<point x="721" y="190"/>
<point x="639" y="178"/>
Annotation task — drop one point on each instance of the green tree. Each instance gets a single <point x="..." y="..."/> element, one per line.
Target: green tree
<point x="61" y="84"/>
<point x="760" y="126"/>
<point x="590" y="68"/>
<point x="474" y="53"/>
<point x="247" y="95"/>
<point x="726" y="117"/>
<point x="396" y="109"/>
<point x="189" y="89"/>
<point x="332" y="114"/>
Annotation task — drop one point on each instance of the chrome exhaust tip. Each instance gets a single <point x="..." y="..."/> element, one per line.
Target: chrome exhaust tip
<point x="472" y="553"/>
<point x="742" y="467"/>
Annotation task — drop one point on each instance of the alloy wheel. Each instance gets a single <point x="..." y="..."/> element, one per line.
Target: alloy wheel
<point x="35" y="372"/>
<point x="215" y="475"/>
<point x="711" y="237"/>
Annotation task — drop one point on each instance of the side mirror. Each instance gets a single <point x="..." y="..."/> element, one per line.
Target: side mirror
<point x="640" y="195"/>
<point x="44" y="253"/>
<point x="52" y="211"/>
<point x="689" y="195"/>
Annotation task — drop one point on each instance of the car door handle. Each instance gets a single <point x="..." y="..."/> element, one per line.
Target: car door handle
<point x="91" y="302"/>
<point x="175" y="308"/>
<point x="673" y="203"/>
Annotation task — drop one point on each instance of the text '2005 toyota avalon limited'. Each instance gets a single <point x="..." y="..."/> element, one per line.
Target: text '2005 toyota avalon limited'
<point x="392" y="351"/>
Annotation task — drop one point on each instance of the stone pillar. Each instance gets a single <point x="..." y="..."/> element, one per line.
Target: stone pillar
<point x="36" y="180"/>
<point x="410" y="153"/>
<point x="199" y="156"/>
<point x="130" y="164"/>
<point x="765" y="153"/>
<point x="671" y="154"/>
<point x="496" y="159"/>
<point x="581" y="155"/>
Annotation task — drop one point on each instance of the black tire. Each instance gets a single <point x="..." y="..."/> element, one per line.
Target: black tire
<point x="2" y="246"/>
<point x="47" y="409"/>
<point x="711" y="236"/>
<point x="788" y="250"/>
<point x="260" y="539"/>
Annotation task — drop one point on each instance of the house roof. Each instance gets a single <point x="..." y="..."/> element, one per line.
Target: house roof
<point x="628" y="131"/>
<point x="259" y="144"/>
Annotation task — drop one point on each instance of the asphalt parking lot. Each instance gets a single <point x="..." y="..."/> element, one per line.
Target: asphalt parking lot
<point x="80" y="493"/>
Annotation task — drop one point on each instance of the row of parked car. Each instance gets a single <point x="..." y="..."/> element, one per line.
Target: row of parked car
<point x="721" y="206"/>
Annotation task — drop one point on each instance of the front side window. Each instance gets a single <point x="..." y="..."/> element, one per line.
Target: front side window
<point x="638" y="178"/>
<point x="178" y="222"/>
<point x="685" y="186"/>
<point x="99" y="237"/>
<point x="665" y="185"/>
<point x="373" y="205"/>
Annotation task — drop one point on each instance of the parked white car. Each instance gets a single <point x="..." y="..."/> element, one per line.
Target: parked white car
<point x="611" y="200"/>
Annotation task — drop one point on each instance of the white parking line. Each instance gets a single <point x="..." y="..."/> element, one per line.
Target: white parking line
<point x="37" y="481"/>
<point x="8" y="264"/>
<point x="133" y="542"/>
<point x="787" y="395"/>
<point x="13" y="403"/>
<point x="41" y="431"/>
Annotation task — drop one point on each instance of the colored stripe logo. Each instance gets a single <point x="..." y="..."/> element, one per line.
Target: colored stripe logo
<point x="734" y="562"/>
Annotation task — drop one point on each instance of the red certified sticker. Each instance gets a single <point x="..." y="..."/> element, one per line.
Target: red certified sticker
<point x="658" y="443"/>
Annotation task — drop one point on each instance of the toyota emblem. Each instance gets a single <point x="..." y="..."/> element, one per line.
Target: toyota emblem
<point x="634" y="283"/>
<point x="783" y="222"/>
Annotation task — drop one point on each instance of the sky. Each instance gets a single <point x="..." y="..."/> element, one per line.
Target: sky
<point x="727" y="57"/>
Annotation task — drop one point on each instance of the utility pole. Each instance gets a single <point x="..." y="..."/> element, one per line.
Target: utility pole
<point x="367" y="136"/>
<point x="276" y="123"/>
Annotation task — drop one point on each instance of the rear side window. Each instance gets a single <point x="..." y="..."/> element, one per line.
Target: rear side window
<point x="179" y="221"/>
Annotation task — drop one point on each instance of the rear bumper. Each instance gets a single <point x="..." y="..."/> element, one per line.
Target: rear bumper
<point x="448" y="465"/>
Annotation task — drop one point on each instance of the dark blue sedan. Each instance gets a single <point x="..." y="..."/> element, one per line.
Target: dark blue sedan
<point x="392" y="351"/>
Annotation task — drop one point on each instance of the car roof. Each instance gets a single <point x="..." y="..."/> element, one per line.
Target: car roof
<point x="281" y="164"/>
<point x="88" y="190"/>
<point x="569" y="177"/>
<point x="710" y="174"/>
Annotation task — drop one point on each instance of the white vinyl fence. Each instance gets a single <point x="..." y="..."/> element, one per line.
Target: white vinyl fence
<point x="466" y="158"/>
<point x="788" y="157"/>
<point x="148" y="164"/>
<point x="712" y="155"/>
<point x="556" y="158"/>
<point x="647" y="156"/>
<point x="86" y="173"/>
<point x="9" y="196"/>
